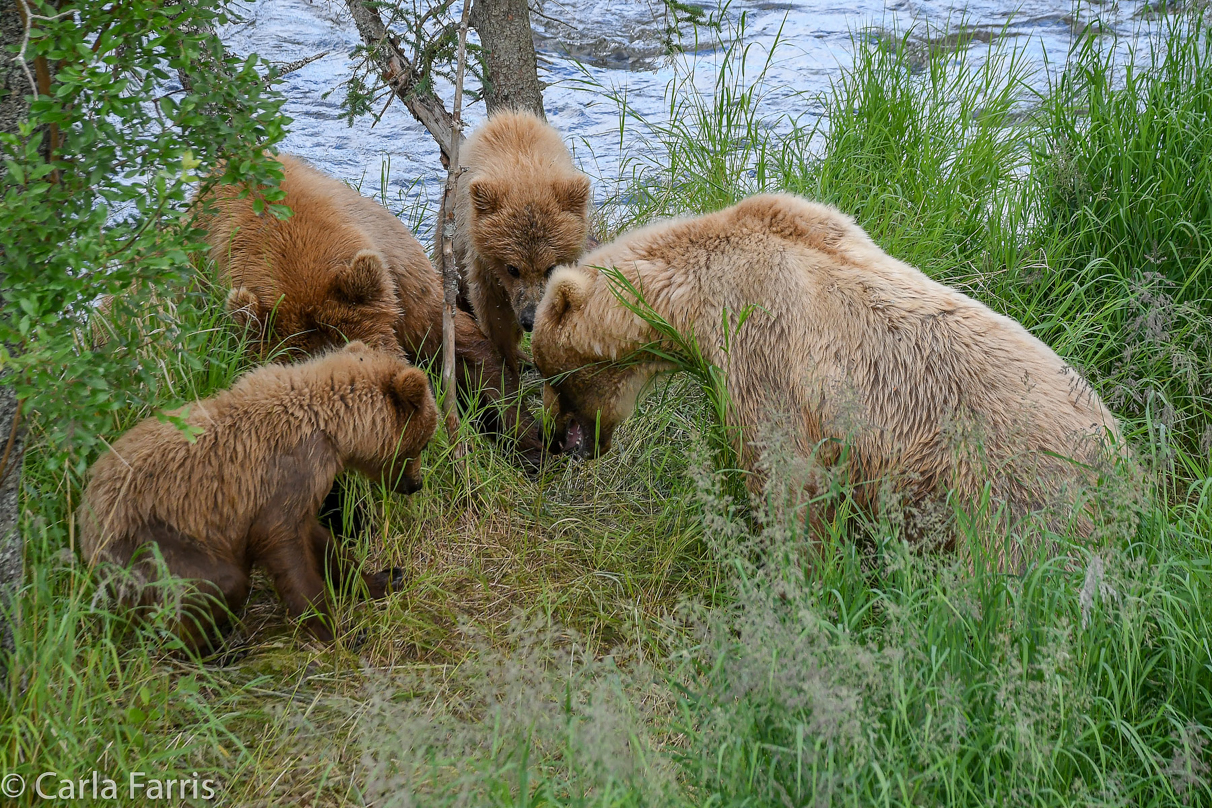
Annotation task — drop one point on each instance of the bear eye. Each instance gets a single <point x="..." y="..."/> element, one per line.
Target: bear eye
<point x="550" y="270"/>
<point x="512" y="270"/>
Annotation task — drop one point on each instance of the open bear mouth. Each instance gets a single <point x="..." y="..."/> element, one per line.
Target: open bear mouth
<point x="573" y="441"/>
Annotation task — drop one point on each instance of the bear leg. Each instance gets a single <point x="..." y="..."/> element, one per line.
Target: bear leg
<point x="485" y="376"/>
<point x="498" y="321"/>
<point x="295" y="569"/>
<point x="484" y="381"/>
<point x="381" y="584"/>
<point x="339" y="564"/>
<point x="209" y="612"/>
<point x="221" y="584"/>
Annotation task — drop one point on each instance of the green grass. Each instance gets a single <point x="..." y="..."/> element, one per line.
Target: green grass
<point x="619" y="633"/>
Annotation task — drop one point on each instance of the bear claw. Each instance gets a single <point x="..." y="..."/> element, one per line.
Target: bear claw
<point x="396" y="578"/>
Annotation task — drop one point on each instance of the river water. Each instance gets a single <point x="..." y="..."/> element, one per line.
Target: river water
<point x="595" y="52"/>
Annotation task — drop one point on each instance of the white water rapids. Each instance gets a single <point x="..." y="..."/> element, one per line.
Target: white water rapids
<point x="589" y="46"/>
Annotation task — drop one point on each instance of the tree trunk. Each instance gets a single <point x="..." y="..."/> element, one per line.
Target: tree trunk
<point x="512" y="77"/>
<point x="14" y="109"/>
<point x="402" y="76"/>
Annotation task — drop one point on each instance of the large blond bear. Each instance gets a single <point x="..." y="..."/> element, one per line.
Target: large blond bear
<point x="883" y="375"/>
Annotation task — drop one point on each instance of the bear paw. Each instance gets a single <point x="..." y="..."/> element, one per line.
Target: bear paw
<point x="382" y="584"/>
<point x="245" y="309"/>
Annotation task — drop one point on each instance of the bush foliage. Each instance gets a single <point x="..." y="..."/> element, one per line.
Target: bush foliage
<point x="96" y="189"/>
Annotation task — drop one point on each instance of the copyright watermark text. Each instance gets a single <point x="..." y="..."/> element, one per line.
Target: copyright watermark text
<point x="143" y="786"/>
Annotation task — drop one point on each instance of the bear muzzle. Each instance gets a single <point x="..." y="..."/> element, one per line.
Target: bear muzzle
<point x="572" y="441"/>
<point x="407" y="481"/>
<point x="526" y="318"/>
<point x="407" y="485"/>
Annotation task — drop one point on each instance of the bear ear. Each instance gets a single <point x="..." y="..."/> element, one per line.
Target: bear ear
<point x="573" y="193"/>
<point x="566" y="291"/>
<point x="486" y="196"/>
<point x="356" y="347"/>
<point x="408" y="389"/>
<point x="245" y="309"/>
<point x="363" y="281"/>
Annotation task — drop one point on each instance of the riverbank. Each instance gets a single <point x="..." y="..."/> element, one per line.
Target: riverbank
<point x="607" y="61"/>
<point x="619" y="633"/>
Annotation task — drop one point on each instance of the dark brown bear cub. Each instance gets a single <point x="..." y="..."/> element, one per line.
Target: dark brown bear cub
<point x="246" y="489"/>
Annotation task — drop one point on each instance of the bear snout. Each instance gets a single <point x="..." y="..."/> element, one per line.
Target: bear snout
<point x="407" y="485"/>
<point x="526" y="318"/>
<point x="410" y="480"/>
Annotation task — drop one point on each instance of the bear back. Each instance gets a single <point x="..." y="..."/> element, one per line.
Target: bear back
<point x="211" y="467"/>
<point x="340" y="267"/>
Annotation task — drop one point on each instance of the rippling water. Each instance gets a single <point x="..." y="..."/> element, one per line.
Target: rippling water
<point x="586" y="46"/>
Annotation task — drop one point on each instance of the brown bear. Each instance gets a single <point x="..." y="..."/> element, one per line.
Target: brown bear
<point x="342" y="267"/>
<point x="242" y="482"/>
<point x="521" y="210"/>
<point x="874" y="366"/>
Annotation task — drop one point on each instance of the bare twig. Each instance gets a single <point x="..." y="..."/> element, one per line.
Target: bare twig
<point x="450" y="270"/>
<point x="27" y="21"/>
<point x="27" y="24"/>
<point x="286" y="68"/>
<point x="402" y="75"/>
<point x="382" y="112"/>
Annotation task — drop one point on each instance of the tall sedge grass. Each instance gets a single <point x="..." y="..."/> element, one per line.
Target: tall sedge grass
<point x="1125" y="161"/>
<point x="917" y="683"/>
<point x="922" y="155"/>
<point x="635" y="631"/>
<point x="708" y="149"/>
<point x="1123" y="192"/>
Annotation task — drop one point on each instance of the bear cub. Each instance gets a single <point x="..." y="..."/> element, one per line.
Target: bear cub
<point x="246" y="489"/>
<point x="342" y="267"/>
<point x="521" y="210"/>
